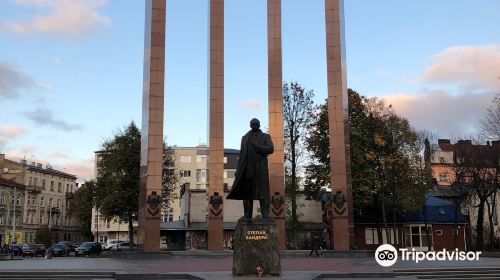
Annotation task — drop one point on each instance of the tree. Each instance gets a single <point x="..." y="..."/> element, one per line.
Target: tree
<point x="80" y="207"/>
<point x="386" y="164"/>
<point x="476" y="169"/>
<point x="169" y="177"/>
<point x="297" y="108"/>
<point x="118" y="170"/>
<point x="43" y="236"/>
<point x="490" y="123"/>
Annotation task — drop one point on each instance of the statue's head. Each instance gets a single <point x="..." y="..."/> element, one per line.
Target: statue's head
<point x="255" y="124"/>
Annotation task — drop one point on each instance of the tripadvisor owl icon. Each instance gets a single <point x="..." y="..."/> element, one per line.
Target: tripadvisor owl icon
<point x="386" y="255"/>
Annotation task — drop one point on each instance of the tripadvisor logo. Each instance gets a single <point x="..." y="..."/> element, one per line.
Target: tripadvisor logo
<point x="386" y="255"/>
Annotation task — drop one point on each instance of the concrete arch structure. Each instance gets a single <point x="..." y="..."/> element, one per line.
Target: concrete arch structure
<point x="152" y="123"/>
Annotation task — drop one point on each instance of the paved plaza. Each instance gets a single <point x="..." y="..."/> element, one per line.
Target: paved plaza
<point x="220" y="268"/>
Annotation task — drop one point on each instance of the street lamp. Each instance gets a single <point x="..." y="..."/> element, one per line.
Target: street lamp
<point x="14" y="216"/>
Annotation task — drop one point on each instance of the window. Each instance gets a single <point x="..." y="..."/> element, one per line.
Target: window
<point x="225" y="174"/>
<point x="185" y="173"/>
<point x="67" y="187"/>
<point x="59" y="185"/>
<point x="198" y="158"/>
<point x="2" y="219"/>
<point x="35" y="182"/>
<point x="170" y="217"/>
<point x="443" y="177"/>
<point x="18" y="200"/>
<point x="30" y="181"/>
<point x="231" y="174"/>
<point x="416" y="236"/>
<point x="439" y="232"/>
<point x="41" y="201"/>
<point x="185" y="159"/>
<point x="225" y="159"/>
<point x="43" y="184"/>
<point x="52" y="186"/>
<point x="2" y="198"/>
<point x="441" y="160"/>
<point x="371" y="236"/>
<point x="41" y="218"/>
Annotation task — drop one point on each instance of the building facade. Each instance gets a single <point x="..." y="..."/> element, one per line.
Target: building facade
<point x="43" y="195"/>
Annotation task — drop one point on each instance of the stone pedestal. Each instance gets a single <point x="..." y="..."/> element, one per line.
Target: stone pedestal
<point x="256" y="244"/>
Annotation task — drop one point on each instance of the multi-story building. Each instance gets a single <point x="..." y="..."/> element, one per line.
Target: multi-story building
<point x="444" y="160"/>
<point x="41" y="199"/>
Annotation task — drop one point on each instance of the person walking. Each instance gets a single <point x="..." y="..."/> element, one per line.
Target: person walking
<point x="313" y="245"/>
<point x="325" y="236"/>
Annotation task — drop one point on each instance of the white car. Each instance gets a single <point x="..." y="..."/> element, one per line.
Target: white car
<point x="112" y="244"/>
<point x="123" y="245"/>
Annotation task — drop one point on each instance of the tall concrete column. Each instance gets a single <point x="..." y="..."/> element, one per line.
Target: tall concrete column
<point x="152" y="127"/>
<point x="338" y="125"/>
<point x="275" y="101"/>
<point x="216" y="127"/>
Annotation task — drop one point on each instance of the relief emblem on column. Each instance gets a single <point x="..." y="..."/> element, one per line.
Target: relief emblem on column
<point x="339" y="202"/>
<point x="153" y="203"/>
<point x="215" y="204"/>
<point x="277" y="200"/>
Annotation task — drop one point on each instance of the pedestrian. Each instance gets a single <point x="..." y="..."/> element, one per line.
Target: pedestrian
<point x="98" y="248"/>
<point x="49" y="253"/>
<point x="325" y="236"/>
<point x="313" y="245"/>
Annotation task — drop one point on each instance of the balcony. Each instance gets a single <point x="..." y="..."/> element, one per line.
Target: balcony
<point x="34" y="189"/>
<point x="54" y="210"/>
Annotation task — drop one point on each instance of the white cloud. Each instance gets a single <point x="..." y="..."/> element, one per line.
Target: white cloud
<point x="73" y="18"/>
<point x="441" y="111"/>
<point x="9" y="132"/>
<point x="469" y="66"/>
<point x="12" y="130"/>
<point x="250" y="104"/>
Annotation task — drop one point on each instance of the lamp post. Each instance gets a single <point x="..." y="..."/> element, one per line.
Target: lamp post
<point x="14" y="217"/>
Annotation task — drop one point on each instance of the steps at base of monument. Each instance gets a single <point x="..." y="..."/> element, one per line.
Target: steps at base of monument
<point x="451" y="273"/>
<point x="56" y="275"/>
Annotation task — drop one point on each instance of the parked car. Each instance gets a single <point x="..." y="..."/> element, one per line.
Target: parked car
<point x="84" y="249"/>
<point x="27" y="250"/>
<point x="14" y="249"/>
<point x="111" y="244"/>
<point x="39" y="249"/>
<point x="69" y="244"/>
<point x="121" y="246"/>
<point x="61" y="250"/>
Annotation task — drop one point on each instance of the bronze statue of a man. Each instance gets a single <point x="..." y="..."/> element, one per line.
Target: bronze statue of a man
<point x="252" y="175"/>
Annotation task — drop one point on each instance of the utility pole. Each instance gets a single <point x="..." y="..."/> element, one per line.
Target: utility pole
<point x="14" y="217"/>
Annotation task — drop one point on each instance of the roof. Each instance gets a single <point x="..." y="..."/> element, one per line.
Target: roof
<point x="10" y="183"/>
<point x="50" y="171"/>
<point x="439" y="211"/>
<point x="231" y="151"/>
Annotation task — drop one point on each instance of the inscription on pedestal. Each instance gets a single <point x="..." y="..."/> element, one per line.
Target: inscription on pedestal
<point x="256" y="248"/>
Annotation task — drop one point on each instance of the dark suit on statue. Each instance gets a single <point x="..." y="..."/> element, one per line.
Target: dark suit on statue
<point x="252" y="175"/>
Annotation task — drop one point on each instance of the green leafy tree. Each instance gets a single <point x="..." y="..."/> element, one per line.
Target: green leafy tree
<point x="297" y="108"/>
<point x="169" y="177"/>
<point x="386" y="164"/>
<point x="43" y="236"/>
<point x="80" y="207"/>
<point x="118" y="170"/>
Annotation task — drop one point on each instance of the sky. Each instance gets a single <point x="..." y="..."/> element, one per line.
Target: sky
<point x="71" y="70"/>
